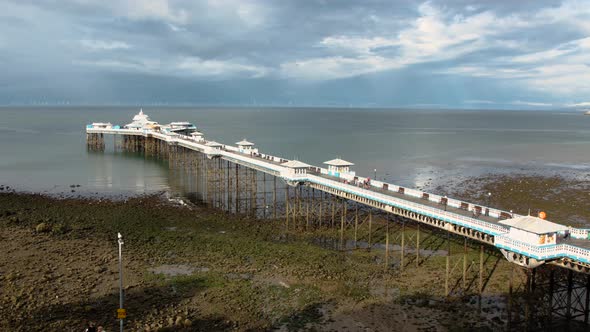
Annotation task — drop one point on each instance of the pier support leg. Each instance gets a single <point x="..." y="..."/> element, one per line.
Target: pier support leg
<point x="465" y="264"/>
<point x="587" y="300"/>
<point x="307" y="203"/>
<point x="253" y="192"/>
<point x="549" y="312"/>
<point x="299" y="206"/>
<point x="480" y="283"/>
<point x="229" y="198"/>
<point x="294" y="205"/>
<point x="321" y="215"/>
<point x="237" y="195"/>
<point x="370" y="229"/>
<point x="528" y="299"/>
<point x="570" y="286"/>
<point x="333" y="200"/>
<point x="274" y="197"/>
<point x="568" y="296"/>
<point x="386" y="244"/>
<point x="356" y="224"/>
<point x="403" y="247"/>
<point x="342" y="219"/>
<point x="418" y="246"/>
<point x="448" y="266"/>
<point x="95" y="142"/>
<point x="222" y="184"/>
<point x="287" y="207"/>
<point x="510" y="299"/>
<point x="264" y="195"/>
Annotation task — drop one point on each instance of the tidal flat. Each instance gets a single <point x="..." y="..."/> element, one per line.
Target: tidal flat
<point x="193" y="268"/>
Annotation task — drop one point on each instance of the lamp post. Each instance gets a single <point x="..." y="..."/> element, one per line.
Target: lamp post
<point x="489" y="199"/>
<point x="446" y="202"/>
<point x="375" y="174"/>
<point x="121" y="312"/>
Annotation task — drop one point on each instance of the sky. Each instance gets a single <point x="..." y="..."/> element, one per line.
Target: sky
<point x="361" y="53"/>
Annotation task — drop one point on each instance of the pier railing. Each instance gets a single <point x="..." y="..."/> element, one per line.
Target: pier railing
<point x="577" y="253"/>
<point x="489" y="228"/>
<point x="580" y="233"/>
<point x="537" y="252"/>
<point x="546" y="252"/>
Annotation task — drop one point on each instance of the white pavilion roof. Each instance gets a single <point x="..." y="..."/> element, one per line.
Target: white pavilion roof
<point x="140" y="120"/>
<point x="295" y="164"/>
<point x="141" y="116"/>
<point x="534" y="225"/>
<point x="338" y="162"/>
<point x="244" y="143"/>
<point x="213" y="144"/>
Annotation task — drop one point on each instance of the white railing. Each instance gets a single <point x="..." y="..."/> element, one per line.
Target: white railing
<point x="527" y="249"/>
<point x="579" y="233"/>
<point x="251" y="160"/>
<point x="577" y="253"/>
<point x="543" y="252"/>
<point x="420" y="208"/>
<point x="271" y="158"/>
<point x="432" y="197"/>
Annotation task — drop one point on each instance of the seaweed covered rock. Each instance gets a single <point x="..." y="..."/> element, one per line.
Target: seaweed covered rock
<point x="43" y="227"/>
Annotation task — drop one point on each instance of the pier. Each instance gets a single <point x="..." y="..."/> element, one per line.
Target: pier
<point x="240" y="179"/>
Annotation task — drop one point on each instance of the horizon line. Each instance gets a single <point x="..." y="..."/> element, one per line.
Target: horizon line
<point x="507" y="106"/>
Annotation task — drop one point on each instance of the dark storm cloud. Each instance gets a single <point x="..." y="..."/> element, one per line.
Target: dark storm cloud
<point x="290" y="51"/>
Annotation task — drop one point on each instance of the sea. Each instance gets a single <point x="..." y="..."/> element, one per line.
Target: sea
<point x="43" y="150"/>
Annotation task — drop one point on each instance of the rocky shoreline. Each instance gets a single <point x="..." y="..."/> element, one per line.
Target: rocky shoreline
<point x="198" y="269"/>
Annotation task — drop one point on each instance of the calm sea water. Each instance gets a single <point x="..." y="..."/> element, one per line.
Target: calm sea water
<point x="43" y="149"/>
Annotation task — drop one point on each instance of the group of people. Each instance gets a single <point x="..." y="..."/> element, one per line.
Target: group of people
<point x="366" y="183"/>
<point x="91" y="327"/>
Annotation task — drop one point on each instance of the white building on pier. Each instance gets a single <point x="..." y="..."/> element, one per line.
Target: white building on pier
<point x="534" y="230"/>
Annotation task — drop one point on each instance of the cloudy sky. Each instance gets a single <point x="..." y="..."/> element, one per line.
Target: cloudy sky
<point x="390" y="53"/>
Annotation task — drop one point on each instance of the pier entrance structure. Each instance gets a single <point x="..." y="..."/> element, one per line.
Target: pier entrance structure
<point x="231" y="175"/>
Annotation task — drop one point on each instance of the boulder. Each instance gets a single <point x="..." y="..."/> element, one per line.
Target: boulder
<point x="43" y="228"/>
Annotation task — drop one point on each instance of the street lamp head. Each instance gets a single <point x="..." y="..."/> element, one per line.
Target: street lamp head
<point x="119" y="236"/>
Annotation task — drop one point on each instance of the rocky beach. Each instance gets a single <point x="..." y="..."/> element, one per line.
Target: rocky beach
<point x="192" y="268"/>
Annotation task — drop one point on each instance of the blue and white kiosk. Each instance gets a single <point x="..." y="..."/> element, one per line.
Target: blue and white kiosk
<point x="337" y="167"/>
<point x="245" y="147"/>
